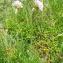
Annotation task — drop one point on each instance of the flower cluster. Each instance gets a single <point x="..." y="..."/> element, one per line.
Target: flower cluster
<point x="17" y="4"/>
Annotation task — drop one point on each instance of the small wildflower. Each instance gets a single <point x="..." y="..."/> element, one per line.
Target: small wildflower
<point x="39" y="4"/>
<point x="17" y="5"/>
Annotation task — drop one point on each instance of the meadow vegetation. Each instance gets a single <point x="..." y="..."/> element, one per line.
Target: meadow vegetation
<point x="31" y="36"/>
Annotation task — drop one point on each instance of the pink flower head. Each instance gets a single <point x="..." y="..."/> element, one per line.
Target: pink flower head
<point x="39" y="4"/>
<point x="17" y="4"/>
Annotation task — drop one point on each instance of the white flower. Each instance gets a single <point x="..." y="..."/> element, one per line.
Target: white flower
<point x="17" y="4"/>
<point x="39" y="4"/>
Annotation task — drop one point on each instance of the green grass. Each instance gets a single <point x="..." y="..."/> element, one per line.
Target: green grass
<point x="31" y="37"/>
